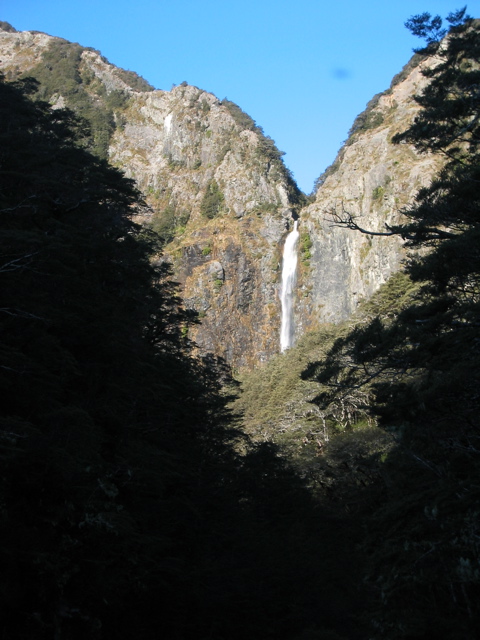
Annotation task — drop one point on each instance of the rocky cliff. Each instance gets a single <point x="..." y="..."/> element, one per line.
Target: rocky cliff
<point x="222" y="200"/>
<point x="371" y="180"/>
<point x="220" y="196"/>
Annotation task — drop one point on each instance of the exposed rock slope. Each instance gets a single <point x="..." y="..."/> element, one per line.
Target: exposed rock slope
<point x="220" y="195"/>
<point x="222" y="200"/>
<point x="371" y="179"/>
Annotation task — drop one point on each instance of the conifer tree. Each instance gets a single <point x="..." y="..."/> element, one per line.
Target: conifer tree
<point x="126" y="507"/>
<point x="421" y="364"/>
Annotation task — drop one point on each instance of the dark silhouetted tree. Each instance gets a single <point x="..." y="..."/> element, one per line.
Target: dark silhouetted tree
<point x="420" y="363"/>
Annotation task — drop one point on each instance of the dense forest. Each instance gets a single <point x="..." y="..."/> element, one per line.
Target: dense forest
<point x="132" y="506"/>
<point x="416" y="367"/>
<point x="145" y="493"/>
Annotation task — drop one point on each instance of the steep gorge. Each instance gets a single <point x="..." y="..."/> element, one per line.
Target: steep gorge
<point x="332" y="492"/>
<point x="223" y="201"/>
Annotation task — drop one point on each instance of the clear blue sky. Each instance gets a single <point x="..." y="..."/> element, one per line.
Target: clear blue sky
<point x="303" y="69"/>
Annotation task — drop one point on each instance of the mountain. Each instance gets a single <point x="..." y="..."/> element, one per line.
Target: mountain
<point x="336" y="496"/>
<point x="131" y="506"/>
<point x="370" y="180"/>
<point x="222" y="200"/>
<point x="219" y="193"/>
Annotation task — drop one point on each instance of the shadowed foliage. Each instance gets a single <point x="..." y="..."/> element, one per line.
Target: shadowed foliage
<point x="131" y="506"/>
<point x="418" y="366"/>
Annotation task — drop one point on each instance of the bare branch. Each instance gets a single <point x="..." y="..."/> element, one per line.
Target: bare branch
<point x="21" y="205"/>
<point x="348" y="221"/>
<point x="18" y="313"/>
<point x="18" y="263"/>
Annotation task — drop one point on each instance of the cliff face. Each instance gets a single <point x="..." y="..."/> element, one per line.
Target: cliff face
<point x="222" y="200"/>
<point x="371" y="179"/>
<point x="219" y="193"/>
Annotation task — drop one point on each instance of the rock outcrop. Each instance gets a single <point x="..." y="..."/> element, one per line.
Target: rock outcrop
<point x="222" y="200"/>
<point x="372" y="180"/>
<point x="223" y="194"/>
<point x="219" y="193"/>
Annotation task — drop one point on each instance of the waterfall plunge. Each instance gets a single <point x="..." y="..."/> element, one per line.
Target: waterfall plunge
<point x="288" y="282"/>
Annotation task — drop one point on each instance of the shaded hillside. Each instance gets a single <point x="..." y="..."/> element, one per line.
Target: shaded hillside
<point x="421" y="366"/>
<point x="393" y="432"/>
<point x="134" y="504"/>
<point x="326" y="443"/>
<point x="127" y="509"/>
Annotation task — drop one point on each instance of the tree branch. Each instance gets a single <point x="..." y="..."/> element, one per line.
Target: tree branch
<point x="18" y="263"/>
<point x="348" y="221"/>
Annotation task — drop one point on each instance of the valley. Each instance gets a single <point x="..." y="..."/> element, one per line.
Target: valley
<point x="254" y="406"/>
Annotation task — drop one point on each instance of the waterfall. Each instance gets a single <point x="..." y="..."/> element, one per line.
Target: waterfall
<point x="288" y="283"/>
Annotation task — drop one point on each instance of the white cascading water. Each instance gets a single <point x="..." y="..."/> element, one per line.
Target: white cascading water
<point x="288" y="282"/>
